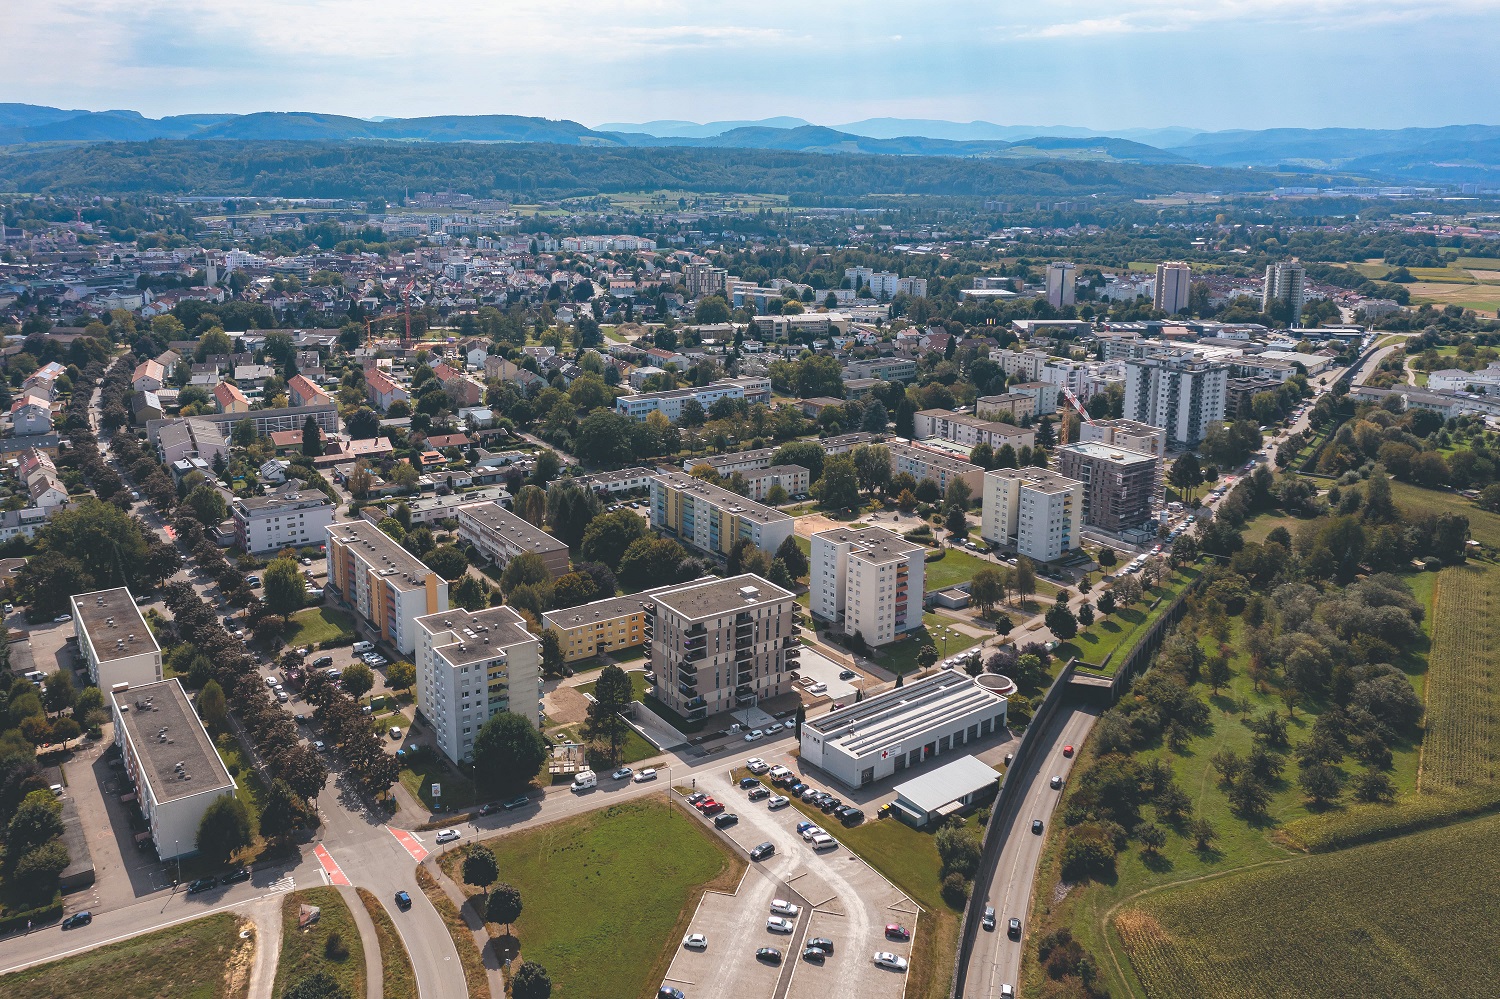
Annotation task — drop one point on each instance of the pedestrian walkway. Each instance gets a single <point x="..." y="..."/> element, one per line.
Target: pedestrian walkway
<point x="474" y="921"/>
<point x="374" y="976"/>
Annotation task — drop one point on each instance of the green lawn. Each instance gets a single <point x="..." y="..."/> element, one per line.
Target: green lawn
<point x="1484" y="526"/>
<point x="607" y="894"/>
<point x="956" y="566"/>
<point x="190" y="961"/>
<point x="319" y="624"/>
<point x="418" y="775"/>
<point x="634" y="750"/>
<point x="638" y="685"/>
<point x="398" y="978"/>
<point x="1112" y="637"/>
<point x="901" y="656"/>
<point x="305" y="952"/>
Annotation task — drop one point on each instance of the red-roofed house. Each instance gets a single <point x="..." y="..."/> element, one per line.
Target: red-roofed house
<point x="302" y="392"/>
<point x="230" y="398"/>
<point x="291" y="440"/>
<point x="30" y="414"/>
<point x="448" y="440"/>
<point x="381" y="390"/>
<point x="148" y="377"/>
<point x="469" y="392"/>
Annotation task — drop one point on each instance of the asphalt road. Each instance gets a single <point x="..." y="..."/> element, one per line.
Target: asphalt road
<point x="997" y="958"/>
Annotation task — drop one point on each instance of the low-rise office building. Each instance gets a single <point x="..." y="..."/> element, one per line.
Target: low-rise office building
<point x="722" y="644"/>
<point x="500" y="536"/>
<point x="288" y="517"/>
<point x="1037" y="512"/>
<point x="1119" y="485"/>
<point x="891" y="732"/>
<point x="868" y="581"/>
<point x="170" y="761"/>
<point x="384" y="584"/>
<point x="471" y="665"/>
<point x="712" y="519"/>
<point x="114" y="640"/>
<point x="952" y="789"/>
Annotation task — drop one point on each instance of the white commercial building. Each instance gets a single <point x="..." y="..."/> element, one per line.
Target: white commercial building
<point x="114" y="639"/>
<point x="1174" y="281"/>
<point x="1036" y="511"/>
<point x="886" y="734"/>
<point x="471" y="665"/>
<point x="289" y="517"/>
<point x="1179" y="392"/>
<point x="170" y="761"/>
<point x="867" y="581"/>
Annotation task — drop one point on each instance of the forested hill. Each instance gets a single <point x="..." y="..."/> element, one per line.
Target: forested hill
<point x="358" y="169"/>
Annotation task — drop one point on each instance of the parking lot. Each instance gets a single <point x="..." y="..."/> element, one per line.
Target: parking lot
<point x="824" y="670"/>
<point x="843" y="899"/>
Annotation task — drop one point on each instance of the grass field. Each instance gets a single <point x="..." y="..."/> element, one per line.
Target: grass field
<point x="1484" y="526"/>
<point x="318" y="624"/>
<point x="202" y="959"/>
<point x="417" y="776"/>
<point x="638" y="685"/>
<point x="634" y="750"/>
<point x="597" y="915"/>
<point x="398" y="978"/>
<point x="1400" y="918"/>
<point x="1112" y="637"/>
<point x="304" y="952"/>
<point x="901" y="656"/>
<point x="1461" y="748"/>
<point x="1480" y="297"/>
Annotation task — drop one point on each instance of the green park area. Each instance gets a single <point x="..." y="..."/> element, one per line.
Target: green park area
<point x="330" y="946"/>
<point x="315" y="625"/>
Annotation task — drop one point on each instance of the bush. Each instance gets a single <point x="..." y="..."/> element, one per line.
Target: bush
<point x="334" y="947"/>
<point x="955" y="890"/>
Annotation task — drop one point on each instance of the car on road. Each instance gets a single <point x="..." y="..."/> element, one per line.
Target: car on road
<point x="774" y="727"/>
<point x="403" y="900"/>
<point x="726" y="820"/>
<point x="320" y="746"/>
<point x="645" y="775"/>
<point x="756" y="765"/>
<point x="885" y="959"/>
<point x="1067" y="750"/>
<point x="519" y="801"/>
<point x="822" y="943"/>
<point x="989" y="917"/>
<point x="763" y="851"/>
<point x="778" y="801"/>
<point x="695" y="941"/>
<point x="487" y="808"/>
<point x="622" y="773"/>
<point x="1056" y="782"/>
<point x="754" y="735"/>
<point x="782" y="907"/>
<point x="776" y="924"/>
<point x="447" y="836"/>
<point x="817" y="955"/>
<point x="769" y="954"/>
<point x="61" y="618"/>
<point x="78" y="919"/>
<point x="895" y="931"/>
<point x="202" y="884"/>
<point x="1036" y="826"/>
<point x="235" y="877"/>
<point x="1013" y="928"/>
<point x="758" y="793"/>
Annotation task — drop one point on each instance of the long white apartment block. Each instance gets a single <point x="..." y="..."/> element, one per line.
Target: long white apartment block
<point x="114" y="639"/>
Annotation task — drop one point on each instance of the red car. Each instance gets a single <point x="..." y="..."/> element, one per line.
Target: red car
<point x="895" y="931"/>
<point x="712" y="808"/>
<point x="1067" y="750"/>
<point x="705" y="803"/>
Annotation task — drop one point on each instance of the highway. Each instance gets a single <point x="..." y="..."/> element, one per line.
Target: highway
<point x="997" y="958"/>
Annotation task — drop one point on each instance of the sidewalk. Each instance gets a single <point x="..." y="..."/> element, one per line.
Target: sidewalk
<point x="474" y="922"/>
<point x="374" y="979"/>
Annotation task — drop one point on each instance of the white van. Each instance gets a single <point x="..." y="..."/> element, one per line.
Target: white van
<point x="585" y="779"/>
<point x="823" y="841"/>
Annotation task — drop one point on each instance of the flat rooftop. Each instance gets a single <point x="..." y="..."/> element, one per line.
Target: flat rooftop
<point x="518" y="530"/>
<point x="377" y="549"/>
<point x="947" y="783"/>
<point x="720" y="596"/>
<point x="478" y="635"/>
<point x="1108" y="452"/>
<point x="874" y="544"/>
<point x="113" y="623"/>
<point x="722" y="498"/>
<point x="177" y="757"/>
<point x="1041" y="479"/>
<point x="903" y="717"/>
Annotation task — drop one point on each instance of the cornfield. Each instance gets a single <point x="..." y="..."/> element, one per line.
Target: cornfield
<point x="1461" y="748"/>
<point x="1411" y="916"/>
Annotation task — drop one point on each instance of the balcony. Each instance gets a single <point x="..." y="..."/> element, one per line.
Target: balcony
<point x="696" y="642"/>
<point x="695" y="631"/>
<point x="744" y="655"/>
<point x="688" y="670"/>
<point x="744" y="690"/>
<point x="688" y="689"/>
<point x="744" y="642"/>
<point x="695" y="655"/>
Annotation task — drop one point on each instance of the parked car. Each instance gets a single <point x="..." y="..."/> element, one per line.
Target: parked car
<point x="768" y="954"/>
<point x="782" y="907"/>
<point x="756" y="765"/>
<point x="804" y="826"/>
<point x="774" y="727"/>
<point x="519" y="801"/>
<point x="812" y="831"/>
<point x="754" y="735"/>
<point x="776" y="924"/>
<point x="886" y="959"/>
<point x="78" y="919"/>
<point x="696" y="797"/>
<point x="670" y="992"/>
<point x="847" y="674"/>
<point x="726" y="820"/>
<point x="814" y="954"/>
<point x="748" y="782"/>
<point x="711" y="808"/>
<point x="403" y="900"/>
<point x="757" y="793"/>
<point x="447" y="836"/>
<point x="622" y="773"/>
<point x="778" y="801"/>
<point x="895" y="931"/>
<point x="763" y="851"/>
<point x="202" y="884"/>
<point x="645" y="775"/>
<point x="360" y="647"/>
<point x="822" y="943"/>
<point x="695" y="941"/>
<point x="235" y="877"/>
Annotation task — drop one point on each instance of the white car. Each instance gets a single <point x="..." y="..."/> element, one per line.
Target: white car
<point x="812" y="831"/>
<point x="447" y="836"/>
<point x="754" y="734"/>
<point x="775" y="727"/>
<point x="756" y="765"/>
<point x="782" y="907"/>
<point x="271" y="681"/>
<point x="360" y="647"/>
<point x="778" y="925"/>
<point x="776" y="801"/>
<point x="695" y="941"/>
<point x="886" y="959"/>
<point x="644" y="776"/>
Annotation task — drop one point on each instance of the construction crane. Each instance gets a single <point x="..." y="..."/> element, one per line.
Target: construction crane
<point x="406" y="302"/>
<point x="1082" y="413"/>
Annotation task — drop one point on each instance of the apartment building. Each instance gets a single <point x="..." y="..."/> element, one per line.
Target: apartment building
<point x="845" y="443"/>
<point x="500" y="536"/>
<point x="290" y="516"/>
<point x="1062" y="277"/>
<point x="382" y="390"/>
<point x="891" y="369"/>
<point x="230" y="400"/>
<point x="1179" y="392"/>
<point x="868" y="581"/>
<point x="432" y="509"/>
<point x="1026" y="363"/>
<point x="670" y="402"/>
<point x="170" y="761"/>
<point x="735" y="461"/>
<point x="921" y="464"/>
<point x="606" y="625"/>
<point x="1119" y="485"/>
<point x="1174" y="282"/>
<point x="1131" y="435"/>
<point x="113" y="639"/>
<point x="712" y="519"/>
<point x="1037" y="512"/>
<point x="1286" y="283"/>
<point x="302" y="391"/>
<point x="471" y="665"/>
<point x="722" y="644"/>
<point x="265" y="421"/>
<point x="384" y="584"/>
<point x="972" y="431"/>
<point x="795" y="479"/>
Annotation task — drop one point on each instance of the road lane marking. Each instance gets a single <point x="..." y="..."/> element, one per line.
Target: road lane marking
<point x="413" y="845"/>
<point x="331" y="869"/>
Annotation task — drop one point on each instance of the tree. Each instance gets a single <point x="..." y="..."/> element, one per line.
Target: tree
<point x="1023" y="581"/>
<point x="312" y="437"/>
<point x="400" y="675"/>
<point x="212" y="707"/>
<point x="508" y="753"/>
<point x="1152" y="838"/>
<point x="319" y="985"/>
<point x="872" y="466"/>
<point x="790" y="553"/>
<point x="712" y="311"/>
<point x="57" y="691"/>
<point x="360" y="481"/>
<point x="607" y="536"/>
<point x="1107" y="557"/>
<point x="531" y="505"/>
<point x="570" y="509"/>
<point x="364" y="424"/>
<point x="1203" y="834"/>
<point x="651" y="561"/>
<point x="1060" y="620"/>
<point x="1372" y="786"/>
<point x="447" y="561"/>
<point x="37" y="819"/>
<point x="285" y="589"/>
<point x="526" y="569"/>
<point x="987" y="588"/>
<point x="604" y="438"/>
<point x="839" y="486"/>
<point x="480" y="868"/>
<point x="357" y="681"/>
<point x="957" y="524"/>
<point x="1187" y="473"/>
<point x="1086" y="615"/>
<point x="1218" y="672"/>
<point x="1322" y="782"/>
<point x="206" y="504"/>
<point x="927" y="655"/>
<point x="805" y="453"/>
<point x="958" y="495"/>
<point x="503" y="905"/>
<point x="469" y="593"/>
<point x="552" y="653"/>
<point x="283" y="812"/>
<point x="531" y="982"/>
<point x="224" y="829"/>
<point x="605" y="722"/>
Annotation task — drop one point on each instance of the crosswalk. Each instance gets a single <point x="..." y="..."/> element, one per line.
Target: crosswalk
<point x="286" y="883"/>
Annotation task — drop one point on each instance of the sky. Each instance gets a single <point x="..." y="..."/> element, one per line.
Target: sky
<point x="1208" y="64"/>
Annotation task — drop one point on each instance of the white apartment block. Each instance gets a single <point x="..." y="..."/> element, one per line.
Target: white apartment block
<point x="500" y="536"/>
<point x="384" y="584"/>
<point x="712" y="519"/>
<point x="471" y="665"/>
<point x="1062" y="276"/>
<point x="1036" y="511"/>
<point x="921" y="464"/>
<point x="971" y="431"/>
<point x="1179" y="392"/>
<point x="734" y="461"/>
<point x="867" y="581"/>
<point x="289" y="517"/>
<point x="1174" y="281"/>
<point x="795" y="479"/>
<point x="670" y="402"/>
<point x="1285" y="282"/>
<point x="114" y="639"/>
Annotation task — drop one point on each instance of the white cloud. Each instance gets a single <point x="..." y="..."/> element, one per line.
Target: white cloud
<point x="1092" y="19"/>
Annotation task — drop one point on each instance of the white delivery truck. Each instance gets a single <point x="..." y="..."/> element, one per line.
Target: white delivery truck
<point x="585" y="779"/>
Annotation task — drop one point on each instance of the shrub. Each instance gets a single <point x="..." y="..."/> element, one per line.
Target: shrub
<point x="334" y="947"/>
<point x="955" y="890"/>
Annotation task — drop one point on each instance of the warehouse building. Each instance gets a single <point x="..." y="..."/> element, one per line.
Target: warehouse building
<point x="952" y="789"/>
<point x="872" y="739"/>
